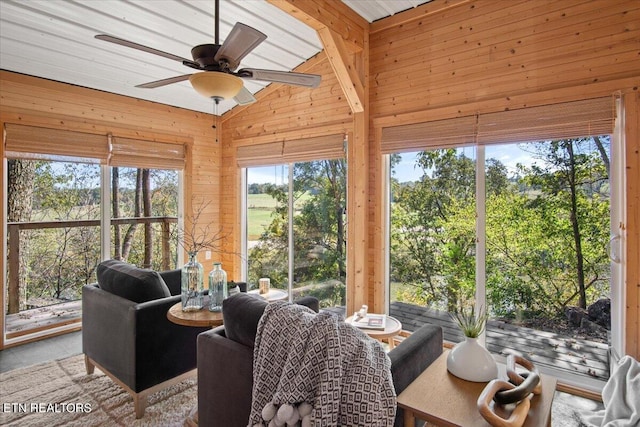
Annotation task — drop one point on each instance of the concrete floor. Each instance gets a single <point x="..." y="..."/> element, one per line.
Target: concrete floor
<point x="41" y="351"/>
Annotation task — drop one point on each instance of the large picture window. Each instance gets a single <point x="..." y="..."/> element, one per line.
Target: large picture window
<point x="519" y="229"/>
<point x="74" y="199"/>
<point x="295" y="200"/>
<point x="296" y="229"/>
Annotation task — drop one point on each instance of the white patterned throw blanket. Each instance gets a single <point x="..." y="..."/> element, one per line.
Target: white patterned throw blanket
<point x="314" y="369"/>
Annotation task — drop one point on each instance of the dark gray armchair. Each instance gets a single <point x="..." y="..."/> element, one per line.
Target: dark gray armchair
<point x="126" y="333"/>
<point x="225" y="362"/>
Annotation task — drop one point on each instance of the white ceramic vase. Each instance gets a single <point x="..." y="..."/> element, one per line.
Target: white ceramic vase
<point x="472" y="362"/>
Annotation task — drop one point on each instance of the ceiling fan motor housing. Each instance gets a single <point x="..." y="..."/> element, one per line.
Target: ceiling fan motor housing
<point x="204" y="54"/>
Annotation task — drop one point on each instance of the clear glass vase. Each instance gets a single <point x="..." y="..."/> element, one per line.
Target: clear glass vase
<point x="217" y="287"/>
<point x="192" y="284"/>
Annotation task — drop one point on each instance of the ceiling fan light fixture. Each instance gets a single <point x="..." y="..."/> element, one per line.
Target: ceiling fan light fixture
<point x="214" y="84"/>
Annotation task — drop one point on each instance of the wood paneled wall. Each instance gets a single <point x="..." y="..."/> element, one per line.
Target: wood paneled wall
<point x="34" y="101"/>
<point x="631" y="258"/>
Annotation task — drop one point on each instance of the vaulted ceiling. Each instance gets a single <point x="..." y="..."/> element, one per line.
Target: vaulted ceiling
<point x="54" y="39"/>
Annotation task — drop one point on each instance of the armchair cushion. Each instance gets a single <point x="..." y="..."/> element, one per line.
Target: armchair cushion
<point x="130" y="282"/>
<point x="241" y="313"/>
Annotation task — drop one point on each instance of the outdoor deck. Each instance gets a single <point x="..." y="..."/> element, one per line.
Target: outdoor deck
<point x="39" y="321"/>
<point x="570" y="355"/>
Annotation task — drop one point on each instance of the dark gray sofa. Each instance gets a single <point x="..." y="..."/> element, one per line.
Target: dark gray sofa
<point x="126" y="333"/>
<point x="225" y="363"/>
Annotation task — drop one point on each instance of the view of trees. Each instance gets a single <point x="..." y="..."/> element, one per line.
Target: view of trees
<point x="319" y="248"/>
<point x="57" y="260"/>
<point x="547" y="227"/>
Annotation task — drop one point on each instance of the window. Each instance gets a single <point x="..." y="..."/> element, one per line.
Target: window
<point x="295" y="217"/>
<point x="144" y="193"/>
<point x="518" y="229"/>
<point x="267" y="225"/>
<point x="58" y="184"/>
<point x="53" y="220"/>
<point x="432" y="256"/>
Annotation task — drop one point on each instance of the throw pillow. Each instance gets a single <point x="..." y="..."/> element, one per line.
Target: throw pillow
<point x="130" y="282"/>
<point x="241" y="313"/>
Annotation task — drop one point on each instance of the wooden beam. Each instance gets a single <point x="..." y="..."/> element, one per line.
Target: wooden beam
<point x="358" y="292"/>
<point x="328" y="13"/>
<point x="344" y="33"/>
<point x="344" y="68"/>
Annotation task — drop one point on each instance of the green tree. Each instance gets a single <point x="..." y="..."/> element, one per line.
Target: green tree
<point x="319" y="200"/>
<point x="433" y="235"/>
<point x="547" y="227"/>
<point x="63" y="259"/>
<point x="571" y="184"/>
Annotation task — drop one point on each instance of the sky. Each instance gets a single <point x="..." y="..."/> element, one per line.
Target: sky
<point x="509" y="155"/>
<point x="275" y="174"/>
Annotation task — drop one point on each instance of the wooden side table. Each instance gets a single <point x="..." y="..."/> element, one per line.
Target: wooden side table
<point x="443" y="399"/>
<point x="202" y="317"/>
<point x="392" y="328"/>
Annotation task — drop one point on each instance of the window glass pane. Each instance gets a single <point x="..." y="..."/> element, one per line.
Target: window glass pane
<point x="432" y="236"/>
<point x="53" y="212"/>
<point x="319" y="231"/>
<point x="548" y="222"/>
<point x="318" y="220"/>
<point x="145" y="204"/>
<point x="267" y="225"/>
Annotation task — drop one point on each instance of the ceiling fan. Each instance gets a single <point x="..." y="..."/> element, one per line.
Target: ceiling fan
<point x="218" y="78"/>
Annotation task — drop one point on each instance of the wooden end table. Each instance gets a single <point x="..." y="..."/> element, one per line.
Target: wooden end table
<point x="392" y="328"/>
<point x="202" y="317"/>
<point x="443" y="399"/>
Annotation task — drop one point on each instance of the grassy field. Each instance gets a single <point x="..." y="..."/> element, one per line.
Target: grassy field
<point x="261" y="201"/>
<point x="260" y="207"/>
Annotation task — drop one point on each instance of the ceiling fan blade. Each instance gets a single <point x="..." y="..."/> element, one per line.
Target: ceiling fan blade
<point x="164" y="82"/>
<point x="244" y="97"/>
<point x="241" y="40"/>
<point x="127" y="43"/>
<point x="287" y="77"/>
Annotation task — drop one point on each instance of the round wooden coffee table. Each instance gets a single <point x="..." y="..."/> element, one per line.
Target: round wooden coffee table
<point x="202" y="317"/>
<point x="391" y="329"/>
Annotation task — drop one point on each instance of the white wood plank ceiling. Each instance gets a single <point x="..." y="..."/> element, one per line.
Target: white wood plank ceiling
<point x="54" y="39"/>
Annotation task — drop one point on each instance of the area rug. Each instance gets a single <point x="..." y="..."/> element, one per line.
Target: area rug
<point x="60" y="393"/>
<point x="569" y="410"/>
